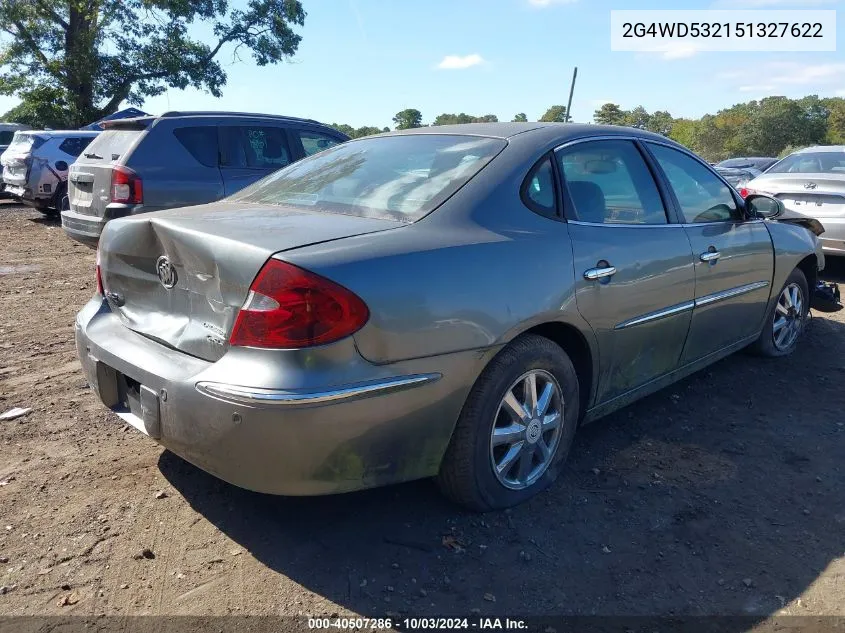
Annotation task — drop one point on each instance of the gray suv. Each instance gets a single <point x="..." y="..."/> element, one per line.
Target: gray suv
<point x="180" y="159"/>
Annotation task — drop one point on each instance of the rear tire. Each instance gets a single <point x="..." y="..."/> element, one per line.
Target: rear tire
<point x="785" y="320"/>
<point x="501" y="421"/>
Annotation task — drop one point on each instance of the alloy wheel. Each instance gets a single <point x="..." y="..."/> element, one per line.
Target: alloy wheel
<point x="789" y="317"/>
<point x="527" y="429"/>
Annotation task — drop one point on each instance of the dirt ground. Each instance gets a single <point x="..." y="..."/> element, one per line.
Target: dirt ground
<point x="720" y="495"/>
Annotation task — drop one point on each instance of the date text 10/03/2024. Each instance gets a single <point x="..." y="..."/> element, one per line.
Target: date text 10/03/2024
<point x="418" y="624"/>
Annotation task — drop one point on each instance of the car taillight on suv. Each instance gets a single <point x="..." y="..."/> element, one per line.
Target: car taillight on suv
<point x="290" y="308"/>
<point x="126" y="186"/>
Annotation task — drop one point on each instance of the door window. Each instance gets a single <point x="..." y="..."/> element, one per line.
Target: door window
<point x="610" y="183"/>
<point x="313" y="142"/>
<point x="700" y="193"/>
<point x="254" y="147"/>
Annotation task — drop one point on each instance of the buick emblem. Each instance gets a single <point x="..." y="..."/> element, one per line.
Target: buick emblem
<point x="810" y="185"/>
<point x="166" y="272"/>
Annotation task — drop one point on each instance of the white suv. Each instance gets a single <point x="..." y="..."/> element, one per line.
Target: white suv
<point x="36" y="163"/>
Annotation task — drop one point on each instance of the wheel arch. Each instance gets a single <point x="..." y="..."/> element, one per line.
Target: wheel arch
<point x="575" y="344"/>
<point x="809" y="266"/>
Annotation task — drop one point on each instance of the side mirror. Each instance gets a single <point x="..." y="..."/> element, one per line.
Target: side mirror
<point x="760" y="205"/>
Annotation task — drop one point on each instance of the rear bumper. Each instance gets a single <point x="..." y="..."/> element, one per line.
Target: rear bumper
<point x="309" y="422"/>
<point x="833" y="238"/>
<point x="87" y="228"/>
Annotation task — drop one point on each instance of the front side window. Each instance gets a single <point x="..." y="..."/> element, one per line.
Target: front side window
<point x="394" y="177"/>
<point x="314" y="142"/>
<point x="254" y="147"/>
<point x="610" y="183"/>
<point x="700" y="193"/>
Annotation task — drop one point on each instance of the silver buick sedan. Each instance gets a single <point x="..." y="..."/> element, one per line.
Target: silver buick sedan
<point x="449" y="301"/>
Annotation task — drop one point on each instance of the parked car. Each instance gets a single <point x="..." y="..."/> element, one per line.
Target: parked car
<point x="738" y="177"/>
<point x="811" y="182"/>
<point x="7" y="132"/>
<point x="181" y="158"/>
<point x="448" y="302"/>
<point x="757" y="162"/>
<point x="35" y="165"/>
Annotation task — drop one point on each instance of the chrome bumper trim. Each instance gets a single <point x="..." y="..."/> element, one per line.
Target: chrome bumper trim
<point x="256" y="396"/>
<point x="653" y="316"/>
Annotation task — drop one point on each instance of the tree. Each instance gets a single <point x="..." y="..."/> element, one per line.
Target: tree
<point x="835" y="121"/>
<point x="638" y="118"/>
<point x="454" y="119"/>
<point x="660" y="122"/>
<point x="555" y="114"/>
<point x="84" y="58"/>
<point x="610" y="114"/>
<point x="520" y="118"/>
<point x="408" y="118"/>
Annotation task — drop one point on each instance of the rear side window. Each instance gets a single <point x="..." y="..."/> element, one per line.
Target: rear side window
<point x="313" y="142"/>
<point x="254" y="147"/>
<point x="6" y="137"/>
<point x="538" y="192"/>
<point x="610" y="183"/>
<point x="74" y="146"/>
<point x="201" y="143"/>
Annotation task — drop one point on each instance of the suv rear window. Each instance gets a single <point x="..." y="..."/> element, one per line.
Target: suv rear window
<point x="201" y="142"/>
<point x="391" y="177"/>
<point x="111" y="144"/>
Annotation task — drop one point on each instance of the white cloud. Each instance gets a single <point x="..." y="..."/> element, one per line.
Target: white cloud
<point x="458" y="62"/>
<point x="547" y="3"/>
<point x="792" y="74"/>
<point x="756" y="88"/>
<point x="679" y="51"/>
<point x="840" y="93"/>
<point x="791" y="77"/>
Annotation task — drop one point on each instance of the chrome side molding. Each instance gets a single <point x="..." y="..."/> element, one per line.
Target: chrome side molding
<point x="731" y="292"/>
<point x="258" y="397"/>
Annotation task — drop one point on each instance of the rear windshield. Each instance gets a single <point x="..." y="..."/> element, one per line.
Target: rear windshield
<point x="111" y="144"/>
<point x="811" y="163"/>
<point x="391" y="177"/>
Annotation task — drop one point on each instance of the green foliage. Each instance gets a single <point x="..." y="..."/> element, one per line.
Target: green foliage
<point x="520" y="118"/>
<point x="73" y="62"/>
<point x="555" y="114"/>
<point x="407" y="119"/>
<point x="352" y="132"/>
<point x="768" y="127"/>
<point x="454" y="119"/>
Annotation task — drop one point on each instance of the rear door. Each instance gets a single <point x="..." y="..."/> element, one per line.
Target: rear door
<point x="248" y="152"/>
<point x="734" y="257"/>
<point x="633" y="268"/>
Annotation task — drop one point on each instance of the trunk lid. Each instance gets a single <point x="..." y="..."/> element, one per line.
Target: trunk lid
<point x="215" y="251"/>
<point x="812" y="195"/>
<point x="90" y="177"/>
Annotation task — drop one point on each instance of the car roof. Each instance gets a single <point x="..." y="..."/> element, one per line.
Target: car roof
<point x="821" y="148"/>
<point x="189" y="114"/>
<point x="60" y="133"/>
<point x="539" y="131"/>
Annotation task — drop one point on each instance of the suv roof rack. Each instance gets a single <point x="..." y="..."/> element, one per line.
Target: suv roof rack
<point x="178" y="113"/>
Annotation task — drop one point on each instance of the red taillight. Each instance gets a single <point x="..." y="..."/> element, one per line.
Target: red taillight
<point x="100" y="290"/>
<point x="126" y="186"/>
<point x="288" y="307"/>
<point x="745" y="192"/>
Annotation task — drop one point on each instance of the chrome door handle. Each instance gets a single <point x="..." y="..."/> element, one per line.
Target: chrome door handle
<point x="597" y="273"/>
<point x="710" y="256"/>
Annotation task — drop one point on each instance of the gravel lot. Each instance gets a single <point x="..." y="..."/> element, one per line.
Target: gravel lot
<point x="720" y="495"/>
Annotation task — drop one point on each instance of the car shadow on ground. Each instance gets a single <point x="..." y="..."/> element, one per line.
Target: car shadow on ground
<point x="719" y="495"/>
<point x="52" y="219"/>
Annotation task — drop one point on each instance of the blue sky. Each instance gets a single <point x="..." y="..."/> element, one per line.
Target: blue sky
<point x="361" y="61"/>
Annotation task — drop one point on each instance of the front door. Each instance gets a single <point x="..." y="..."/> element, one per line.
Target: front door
<point x="634" y="270"/>
<point x="734" y="257"/>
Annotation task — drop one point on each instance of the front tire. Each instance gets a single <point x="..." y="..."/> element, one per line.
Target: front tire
<point x="785" y="320"/>
<point x="516" y="427"/>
